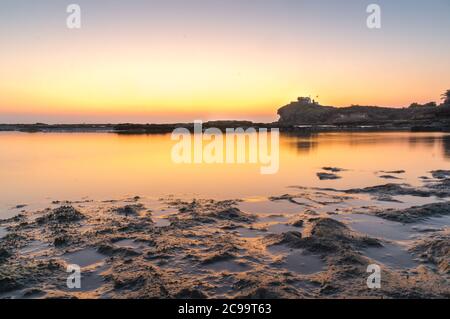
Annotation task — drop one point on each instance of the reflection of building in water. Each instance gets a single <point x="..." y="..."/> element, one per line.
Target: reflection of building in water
<point x="302" y="143"/>
<point x="423" y="141"/>
<point x="432" y="141"/>
<point x="305" y="146"/>
<point x="446" y="145"/>
<point x="308" y="142"/>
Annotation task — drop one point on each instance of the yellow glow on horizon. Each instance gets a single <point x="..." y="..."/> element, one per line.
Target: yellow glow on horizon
<point x="192" y="78"/>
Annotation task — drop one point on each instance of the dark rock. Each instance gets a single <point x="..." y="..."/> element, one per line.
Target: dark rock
<point x="63" y="214"/>
<point x="327" y="176"/>
<point x="110" y="250"/>
<point x="326" y="235"/>
<point x="386" y="198"/>
<point x="393" y="189"/>
<point x="31" y="292"/>
<point x="8" y="284"/>
<point x="394" y="172"/>
<point x="440" y="174"/>
<point x="234" y="214"/>
<point x="262" y="293"/>
<point x="416" y="213"/>
<point x="436" y="249"/>
<point x="60" y="241"/>
<point x="220" y="256"/>
<point x="4" y="254"/>
<point x="129" y="210"/>
<point x="389" y="177"/>
<point x="188" y="293"/>
<point x="333" y="169"/>
<point x="298" y="223"/>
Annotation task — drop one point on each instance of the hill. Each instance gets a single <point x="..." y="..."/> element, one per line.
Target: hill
<point x="307" y="112"/>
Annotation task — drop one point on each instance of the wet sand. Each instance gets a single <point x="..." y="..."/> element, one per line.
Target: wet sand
<point x="308" y="243"/>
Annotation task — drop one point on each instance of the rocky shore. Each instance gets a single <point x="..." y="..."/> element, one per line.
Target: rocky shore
<point x="316" y="243"/>
<point x="308" y="113"/>
<point x="223" y="125"/>
<point x="301" y="116"/>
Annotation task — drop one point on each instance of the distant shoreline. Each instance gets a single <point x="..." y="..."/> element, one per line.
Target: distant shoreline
<point x="129" y="128"/>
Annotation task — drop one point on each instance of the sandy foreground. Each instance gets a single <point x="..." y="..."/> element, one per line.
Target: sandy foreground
<point x="309" y="243"/>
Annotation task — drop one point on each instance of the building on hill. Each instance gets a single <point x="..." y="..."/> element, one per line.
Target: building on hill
<point x="306" y="111"/>
<point x="306" y="101"/>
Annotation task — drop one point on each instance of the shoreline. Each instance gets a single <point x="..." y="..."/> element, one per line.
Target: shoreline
<point x="221" y="125"/>
<point x="142" y="247"/>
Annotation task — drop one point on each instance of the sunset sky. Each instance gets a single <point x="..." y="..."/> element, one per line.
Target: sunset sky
<point x="180" y="60"/>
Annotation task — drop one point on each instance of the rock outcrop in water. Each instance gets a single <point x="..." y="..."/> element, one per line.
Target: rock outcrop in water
<point x="307" y="112"/>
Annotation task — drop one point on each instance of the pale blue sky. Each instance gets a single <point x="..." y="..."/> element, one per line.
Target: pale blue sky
<point x="414" y="33"/>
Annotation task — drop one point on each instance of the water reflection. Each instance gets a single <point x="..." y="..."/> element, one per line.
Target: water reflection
<point x="304" y="143"/>
<point x="446" y="146"/>
<point x="301" y="142"/>
<point x="60" y="166"/>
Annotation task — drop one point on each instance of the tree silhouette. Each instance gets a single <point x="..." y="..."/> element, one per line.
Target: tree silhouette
<point x="446" y="97"/>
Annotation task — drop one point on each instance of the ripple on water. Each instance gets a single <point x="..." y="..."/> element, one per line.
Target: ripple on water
<point x="93" y="280"/>
<point x="83" y="258"/>
<point x="302" y="263"/>
<point x="128" y="243"/>
<point x="3" y="232"/>
<point x="282" y="228"/>
<point x="265" y="206"/>
<point x="249" y="233"/>
<point x="407" y="201"/>
<point x="436" y="223"/>
<point x="297" y="260"/>
<point x="161" y="222"/>
<point x="391" y="255"/>
<point x="376" y="227"/>
<point x="34" y="247"/>
<point x="228" y="265"/>
<point x="381" y="228"/>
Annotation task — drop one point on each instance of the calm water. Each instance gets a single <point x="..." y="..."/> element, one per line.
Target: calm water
<point x="39" y="168"/>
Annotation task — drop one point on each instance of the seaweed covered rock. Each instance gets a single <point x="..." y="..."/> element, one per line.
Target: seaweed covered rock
<point x="233" y="214"/>
<point x="333" y="169"/>
<point x="8" y="284"/>
<point x="393" y="189"/>
<point x="416" y="213"/>
<point x="298" y="223"/>
<point x="189" y="293"/>
<point x="129" y="210"/>
<point x="440" y="174"/>
<point x="260" y="285"/>
<point x="111" y="250"/>
<point x="436" y="250"/>
<point x="327" y="176"/>
<point x="14" y="275"/>
<point x="63" y="214"/>
<point x="209" y="211"/>
<point x="4" y="254"/>
<point x="325" y="235"/>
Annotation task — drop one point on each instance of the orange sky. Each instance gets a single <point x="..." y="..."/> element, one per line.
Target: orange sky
<point x="229" y="68"/>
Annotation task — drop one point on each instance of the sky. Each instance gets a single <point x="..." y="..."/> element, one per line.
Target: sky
<point x="181" y="60"/>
